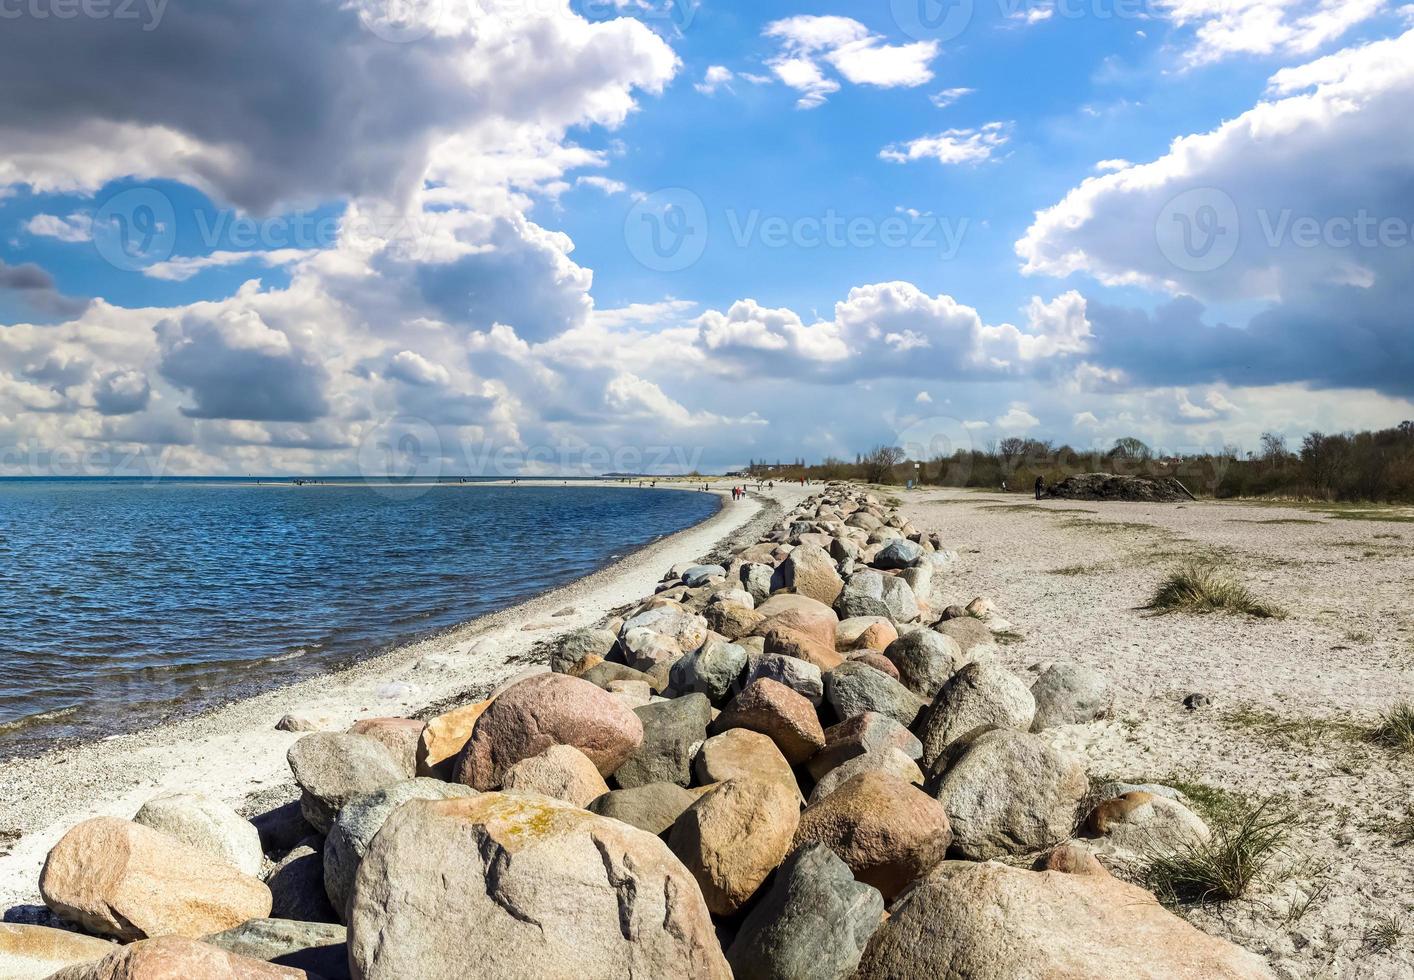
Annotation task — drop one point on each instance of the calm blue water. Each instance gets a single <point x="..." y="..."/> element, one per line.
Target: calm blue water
<point x="125" y="603"/>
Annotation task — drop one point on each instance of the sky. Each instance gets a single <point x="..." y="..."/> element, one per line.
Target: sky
<point x="519" y="237"/>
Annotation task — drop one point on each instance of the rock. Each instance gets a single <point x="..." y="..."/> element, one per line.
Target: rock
<point x="810" y="571"/>
<point x="899" y="553"/>
<point x="444" y="737"/>
<point x="853" y="688"/>
<point x="981" y="695"/>
<point x="654" y="807"/>
<point x="34" y="952"/>
<point x="282" y="828"/>
<point x="1010" y="793"/>
<point x="734" y="837"/>
<point x="711" y="671"/>
<point x="925" y="661"/>
<point x="319" y="948"/>
<point x="120" y="879"/>
<point x="866" y="633"/>
<point x="813" y="924"/>
<point x="981" y="608"/>
<point x="303" y="721"/>
<point x="876" y="660"/>
<point x="779" y="713"/>
<point x="756" y="580"/>
<point x="1195" y="701"/>
<point x="545" y="710"/>
<point x="888" y="831"/>
<point x="855" y="604"/>
<point x="206" y="824"/>
<point x="1142" y="825"/>
<point x="886" y="760"/>
<point x="333" y="768"/>
<point x="602" y="675"/>
<point x="742" y="753"/>
<point x="634" y="694"/>
<point x="673" y="731"/>
<point x="802" y="614"/>
<point x="1070" y="858"/>
<point x="686" y="629"/>
<point x="362" y="818"/>
<point x="867" y="732"/>
<point x="972" y="636"/>
<point x="176" y="958"/>
<point x="731" y="619"/>
<point x="729" y="595"/>
<point x="487" y="886"/>
<point x="297" y="886"/>
<point x="1069" y="694"/>
<point x="700" y="575"/>
<point x="801" y="677"/>
<point x="993" y="922"/>
<point x="561" y="772"/>
<point x="400" y="736"/>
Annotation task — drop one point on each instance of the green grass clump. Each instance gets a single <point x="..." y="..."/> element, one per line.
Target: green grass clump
<point x="1201" y="587"/>
<point x="1225" y="866"/>
<point x="1395" y="729"/>
<point x="1383" y="934"/>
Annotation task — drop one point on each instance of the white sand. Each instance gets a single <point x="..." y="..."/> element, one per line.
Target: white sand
<point x="1344" y="655"/>
<point x="235" y="751"/>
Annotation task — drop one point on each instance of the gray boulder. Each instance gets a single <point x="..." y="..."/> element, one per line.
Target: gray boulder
<point x="868" y="732"/>
<point x="363" y="817"/>
<point x="888" y="760"/>
<point x="899" y="597"/>
<point x="971" y="634"/>
<point x="980" y="695"/>
<point x="575" y="645"/>
<point x="853" y="688"/>
<point x="1010" y="793"/>
<point x="799" y="675"/>
<point x="297" y="886"/>
<point x="925" y="661"/>
<point x="712" y="671"/>
<point x="756" y="579"/>
<point x="899" y="553"/>
<point x="813" y="924"/>
<point x="332" y="768"/>
<point x="673" y="731"/>
<point x="1069" y="694"/>
<point x="686" y="629"/>
<point x="855" y="604"/>
<point x="206" y="824"/>
<point x="654" y="808"/>
<point x="699" y="575"/>
<point x="809" y="571"/>
<point x="318" y="948"/>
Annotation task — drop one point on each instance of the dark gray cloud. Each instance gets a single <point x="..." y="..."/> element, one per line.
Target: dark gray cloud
<point x="122" y="393"/>
<point x="36" y="289"/>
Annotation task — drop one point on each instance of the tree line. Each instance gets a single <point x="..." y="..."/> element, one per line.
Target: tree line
<point x="1349" y="466"/>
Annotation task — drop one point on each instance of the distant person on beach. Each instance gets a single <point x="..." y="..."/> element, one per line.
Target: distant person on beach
<point x="1040" y="487"/>
<point x="1004" y="489"/>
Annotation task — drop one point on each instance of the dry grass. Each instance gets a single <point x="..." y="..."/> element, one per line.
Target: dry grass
<point x="1080" y="570"/>
<point x="1301" y="731"/>
<point x="1395" y="729"/>
<point x="1201" y="587"/>
<point x="1383" y="934"/>
<point x="1224" y="867"/>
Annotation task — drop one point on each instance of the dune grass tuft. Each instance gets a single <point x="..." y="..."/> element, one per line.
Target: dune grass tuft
<point x="1225" y="866"/>
<point x="1201" y="587"/>
<point x="1395" y="729"/>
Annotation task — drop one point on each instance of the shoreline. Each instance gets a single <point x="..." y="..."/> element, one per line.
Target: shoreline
<point x="233" y="752"/>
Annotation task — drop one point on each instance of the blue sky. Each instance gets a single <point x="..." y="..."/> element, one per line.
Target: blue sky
<point x="367" y="235"/>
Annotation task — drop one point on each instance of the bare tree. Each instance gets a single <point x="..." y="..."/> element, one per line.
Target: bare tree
<point x="880" y="461"/>
<point x="1011" y="449"/>
<point x="1273" y="447"/>
<point x="1132" y="449"/>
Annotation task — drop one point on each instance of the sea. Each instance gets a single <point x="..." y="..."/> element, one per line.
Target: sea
<point x="126" y="603"/>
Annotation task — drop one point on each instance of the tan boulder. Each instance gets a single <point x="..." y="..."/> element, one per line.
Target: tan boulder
<point x="503" y="887"/>
<point x="810" y="571"/>
<point x="120" y="879"/>
<point x="34" y="952"/>
<point x="781" y="714"/>
<point x="994" y="922"/>
<point x="176" y="958"/>
<point x="741" y="753"/>
<point x="562" y="772"/>
<point x="444" y="737"/>
<point x="888" y="831"/>
<point x="865" y="633"/>
<point x="800" y="614"/>
<point x="401" y="736"/>
<point x="734" y="837"/>
<point x="546" y="710"/>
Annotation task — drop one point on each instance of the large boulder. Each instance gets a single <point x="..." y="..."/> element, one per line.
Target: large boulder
<point x="810" y="571"/>
<point x="319" y="948"/>
<point x="780" y="714"/>
<point x="673" y="731"/>
<point x="813" y="924"/>
<point x="1010" y="793"/>
<point x="121" y="879"/>
<point x="206" y="824"/>
<point x="865" y="633"/>
<point x="686" y="628"/>
<point x="899" y="553"/>
<point x="798" y="675"/>
<point x="1139" y="825"/>
<point x="886" y="760"/>
<point x="756" y="579"/>
<point x="971" y="634"/>
<point x="561" y="772"/>
<point x="867" y="732"/>
<point x="571" y="648"/>
<point x="35" y="952"/>
<point x="742" y="753"/>
<point x="546" y="710"/>
<point x="979" y="696"/>
<point x="925" y="660"/>
<point x="361" y="819"/>
<point x="856" y="604"/>
<point x="734" y="837"/>
<point x="993" y="922"/>
<point x="176" y="958"/>
<point x="1069" y="694"/>
<point x="297" y="886"/>
<point x="333" y="768"/>
<point x="496" y="885"/>
<point x="401" y="736"/>
<point x="888" y="831"/>
<point x="444" y="737"/>
<point x="712" y="670"/>
<point x="801" y="613"/>
<point x="654" y="808"/>
<point x="853" y="688"/>
<point x="732" y="619"/>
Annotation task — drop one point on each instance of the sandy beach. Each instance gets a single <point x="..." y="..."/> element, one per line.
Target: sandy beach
<point x="236" y="754"/>
<point x="1289" y="697"/>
